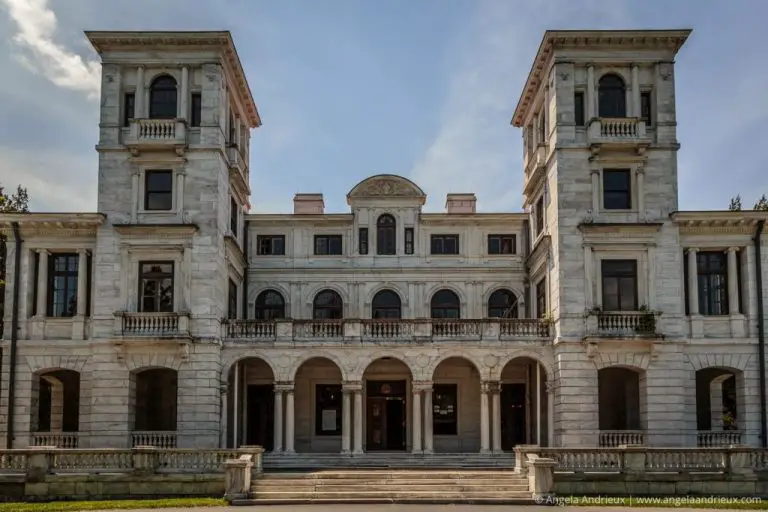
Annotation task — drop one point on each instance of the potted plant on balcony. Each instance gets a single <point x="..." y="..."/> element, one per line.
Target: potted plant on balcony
<point x="646" y="324"/>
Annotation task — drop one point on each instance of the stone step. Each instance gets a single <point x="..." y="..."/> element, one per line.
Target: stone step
<point x="452" y="496"/>
<point x="383" y="500"/>
<point x="486" y="490"/>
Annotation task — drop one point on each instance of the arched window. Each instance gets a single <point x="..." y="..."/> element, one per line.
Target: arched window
<point x="327" y="306"/>
<point x="162" y="98"/>
<point x="386" y="304"/>
<point x="612" y="97"/>
<point x="502" y="304"/>
<point x="386" y="232"/>
<point x="445" y="304"/>
<point x="270" y="305"/>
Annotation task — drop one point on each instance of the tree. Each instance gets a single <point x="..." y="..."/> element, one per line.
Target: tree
<point x="17" y="202"/>
<point x="735" y="205"/>
<point x="760" y="205"/>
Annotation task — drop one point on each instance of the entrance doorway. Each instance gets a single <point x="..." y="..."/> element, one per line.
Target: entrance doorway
<point x="386" y="419"/>
<point x="512" y="415"/>
<point x="261" y="416"/>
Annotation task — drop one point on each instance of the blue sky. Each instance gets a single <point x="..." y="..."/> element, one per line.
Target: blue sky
<point x="352" y="88"/>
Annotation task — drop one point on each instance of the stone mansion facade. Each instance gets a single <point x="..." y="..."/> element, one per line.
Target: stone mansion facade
<point x="600" y="315"/>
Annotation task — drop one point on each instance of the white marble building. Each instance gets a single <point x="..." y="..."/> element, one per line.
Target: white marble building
<point x="599" y="315"/>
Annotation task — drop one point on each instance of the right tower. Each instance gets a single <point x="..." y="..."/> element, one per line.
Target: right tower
<point x="600" y="158"/>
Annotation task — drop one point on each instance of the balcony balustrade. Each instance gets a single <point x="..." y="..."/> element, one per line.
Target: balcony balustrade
<point x="57" y="439"/>
<point x="154" y="134"/>
<point x="157" y="325"/>
<point x="618" y="131"/>
<point x="715" y="438"/>
<point x="395" y="330"/>
<point x="616" y="438"/>
<point x="156" y="438"/>
<point x="623" y="324"/>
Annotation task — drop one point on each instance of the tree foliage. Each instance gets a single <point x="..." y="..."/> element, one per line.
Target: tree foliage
<point x="16" y="202"/>
<point x="760" y="205"/>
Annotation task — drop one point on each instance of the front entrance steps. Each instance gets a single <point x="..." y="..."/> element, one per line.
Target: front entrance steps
<point x="489" y="486"/>
<point x="386" y="460"/>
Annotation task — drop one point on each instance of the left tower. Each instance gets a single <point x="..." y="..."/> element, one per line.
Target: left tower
<point x="175" y="119"/>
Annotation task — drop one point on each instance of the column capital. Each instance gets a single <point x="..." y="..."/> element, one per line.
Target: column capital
<point x="549" y="387"/>
<point x="732" y="249"/>
<point x="594" y="170"/>
<point x="224" y="388"/>
<point x="43" y="251"/>
<point x="693" y="250"/>
<point x="284" y="386"/>
<point x="351" y="386"/>
<point x="83" y="251"/>
<point x="490" y="386"/>
<point x="640" y="170"/>
<point x="423" y="385"/>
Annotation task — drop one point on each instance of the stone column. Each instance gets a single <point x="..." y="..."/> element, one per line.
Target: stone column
<point x="138" y="102"/>
<point x="496" y="396"/>
<point x="82" y="282"/>
<point x="42" y="284"/>
<point x="278" y="420"/>
<point x="550" y="390"/>
<point x="733" y="280"/>
<point x="428" y="438"/>
<point x="484" y="448"/>
<point x="224" y="419"/>
<point x="136" y="206"/>
<point x="346" y="421"/>
<point x="289" y="421"/>
<point x="640" y="173"/>
<point x="184" y="100"/>
<point x="358" y="420"/>
<point x="590" y="93"/>
<point x="416" y="422"/>
<point x="635" y="92"/>
<point x="693" y="282"/>
<point x="595" y="192"/>
<point x="180" y="193"/>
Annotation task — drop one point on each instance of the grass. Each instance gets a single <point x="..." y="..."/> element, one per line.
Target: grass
<point x="72" y="506"/>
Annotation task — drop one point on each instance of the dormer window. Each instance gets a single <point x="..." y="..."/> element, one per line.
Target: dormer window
<point x="612" y="96"/>
<point x="162" y="98"/>
<point x="386" y="230"/>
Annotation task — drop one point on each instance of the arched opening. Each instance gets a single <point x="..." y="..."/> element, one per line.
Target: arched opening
<point x="250" y="418"/>
<point x="502" y="304"/>
<point x="319" y="407"/>
<point x="719" y="403"/>
<point x="163" y="98"/>
<point x="622" y="406"/>
<point x="386" y="235"/>
<point x="153" y="402"/>
<point x="386" y="305"/>
<point x="444" y="306"/>
<point x="270" y="305"/>
<point x="523" y="406"/>
<point x="55" y="415"/>
<point x="327" y="306"/>
<point x="387" y="384"/>
<point x="453" y="417"/>
<point x="612" y="96"/>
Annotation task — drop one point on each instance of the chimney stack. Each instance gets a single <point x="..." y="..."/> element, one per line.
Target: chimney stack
<point x="460" y="203"/>
<point x="308" y="204"/>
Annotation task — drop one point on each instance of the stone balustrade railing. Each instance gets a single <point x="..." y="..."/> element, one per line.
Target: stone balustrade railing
<point x="156" y="438"/>
<point x="386" y="330"/>
<point x="157" y="132"/>
<point x="625" y="323"/>
<point x="713" y="438"/>
<point x="57" y="439"/>
<point x="151" y="324"/>
<point x="616" y="129"/>
<point x="616" y="438"/>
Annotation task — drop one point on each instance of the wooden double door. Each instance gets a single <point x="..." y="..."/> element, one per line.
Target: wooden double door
<point x="513" y="416"/>
<point x="260" y="426"/>
<point x="386" y="415"/>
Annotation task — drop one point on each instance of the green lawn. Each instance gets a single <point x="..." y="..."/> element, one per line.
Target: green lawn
<point x="73" y="506"/>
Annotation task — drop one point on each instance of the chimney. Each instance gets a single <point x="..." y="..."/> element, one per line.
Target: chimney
<point x="308" y="203"/>
<point x="460" y="203"/>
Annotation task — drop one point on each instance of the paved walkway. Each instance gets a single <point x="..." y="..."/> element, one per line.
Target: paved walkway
<point x="402" y="508"/>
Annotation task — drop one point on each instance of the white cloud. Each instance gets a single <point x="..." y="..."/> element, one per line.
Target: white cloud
<point x="36" y="24"/>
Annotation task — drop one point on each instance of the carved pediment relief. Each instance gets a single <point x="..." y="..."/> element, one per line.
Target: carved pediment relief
<point x="384" y="186"/>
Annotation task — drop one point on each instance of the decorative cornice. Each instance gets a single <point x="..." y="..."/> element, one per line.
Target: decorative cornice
<point x="669" y="40"/>
<point x="63" y="225"/>
<point x="104" y="41"/>
<point x="157" y="230"/>
<point x="386" y="186"/>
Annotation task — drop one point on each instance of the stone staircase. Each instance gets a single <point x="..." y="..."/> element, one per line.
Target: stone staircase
<point x="301" y="462"/>
<point x="364" y="485"/>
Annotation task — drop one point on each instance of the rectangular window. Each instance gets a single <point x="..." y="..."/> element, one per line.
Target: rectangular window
<point x="232" y="300"/>
<point x="35" y="291"/>
<point x="232" y="130"/>
<point x="578" y="108"/>
<point x="271" y="245"/>
<point x="197" y="109"/>
<point x="156" y="286"/>
<point x="327" y="245"/>
<point x="362" y="240"/>
<point x="233" y="216"/>
<point x="539" y="212"/>
<point x="617" y="189"/>
<point x="129" y="108"/>
<point x="158" y="190"/>
<point x="501" y="244"/>
<point x="619" y="285"/>
<point x="328" y="410"/>
<point x="645" y="107"/>
<point x="712" y="277"/>
<point x="62" y="285"/>
<point x="445" y="244"/>
<point x="408" y="240"/>
<point x="541" y="298"/>
<point x="444" y="409"/>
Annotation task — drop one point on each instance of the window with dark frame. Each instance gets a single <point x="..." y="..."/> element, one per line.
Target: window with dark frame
<point x="712" y="278"/>
<point x="645" y="107"/>
<point x="232" y="130"/>
<point x="386" y="235"/>
<point x="362" y="240"/>
<point x="611" y="96"/>
<point x="619" y="278"/>
<point x="578" y="108"/>
<point x="62" y="285"/>
<point x="232" y="300"/>
<point x="162" y="98"/>
<point x="445" y="412"/>
<point x="327" y="305"/>
<point x="233" y="216"/>
<point x="386" y="304"/>
<point x="541" y="298"/>
<point x="156" y="286"/>
<point x="539" y="213"/>
<point x="158" y="190"/>
<point x="129" y="108"/>
<point x="617" y="189"/>
<point x="328" y="399"/>
<point x="35" y="289"/>
<point x="502" y="304"/>
<point x="270" y="305"/>
<point x="270" y="245"/>
<point x="408" y="240"/>
<point x="502" y="244"/>
<point x="328" y="245"/>
<point x="196" y="115"/>
<point x="445" y="304"/>
<point x="444" y="244"/>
